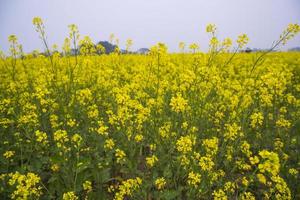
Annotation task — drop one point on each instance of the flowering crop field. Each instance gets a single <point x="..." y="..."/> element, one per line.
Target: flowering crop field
<point x="164" y="126"/>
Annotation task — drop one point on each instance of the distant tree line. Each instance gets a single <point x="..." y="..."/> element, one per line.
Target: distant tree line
<point x="102" y="47"/>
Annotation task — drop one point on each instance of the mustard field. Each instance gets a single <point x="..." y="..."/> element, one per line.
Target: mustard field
<point x="215" y="125"/>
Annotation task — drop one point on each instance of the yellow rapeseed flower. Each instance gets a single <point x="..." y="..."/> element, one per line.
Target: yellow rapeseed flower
<point x="194" y="179"/>
<point x="185" y="144"/>
<point x="87" y="186"/>
<point x="138" y="138"/>
<point x="41" y="137"/>
<point x="120" y="155"/>
<point x="151" y="160"/>
<point x="109" y="144"/>
<point x="242" y="40"/>
<point x="211" y="28"/>
<point x="160" y="183"/>
<point x="8" y="154"/>
<point x="127" y="188"/>
<point x="27" y="186"/>
<point x="70" y="196"/>
<point x="178" y="104"/>
<point x="219" y="195"/>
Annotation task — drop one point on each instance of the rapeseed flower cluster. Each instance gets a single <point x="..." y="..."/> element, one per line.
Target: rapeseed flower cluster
<point x="270" y="162"/>
<point x="41" y="137"/>
<point x="151" y="160"/>
<point x="87" y="186"/>
<point x="27" y="186"/>
<point x="109" y="144"/>
<point x="194" y="179"/>
<point x="178" y="104"/>
<point x="8" y="154"/>
<point x="61" y="138"/>
<point x="256" y="119"/>
<point x="69" y="196"/>
<point x="160" y="183"/>
<point x="120" y="155"/>
<point x="127" y="188"/>
<point x="185" y="144"/>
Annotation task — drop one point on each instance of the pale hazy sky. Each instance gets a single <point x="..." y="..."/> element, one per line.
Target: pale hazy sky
<point x="149" y="21"/>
